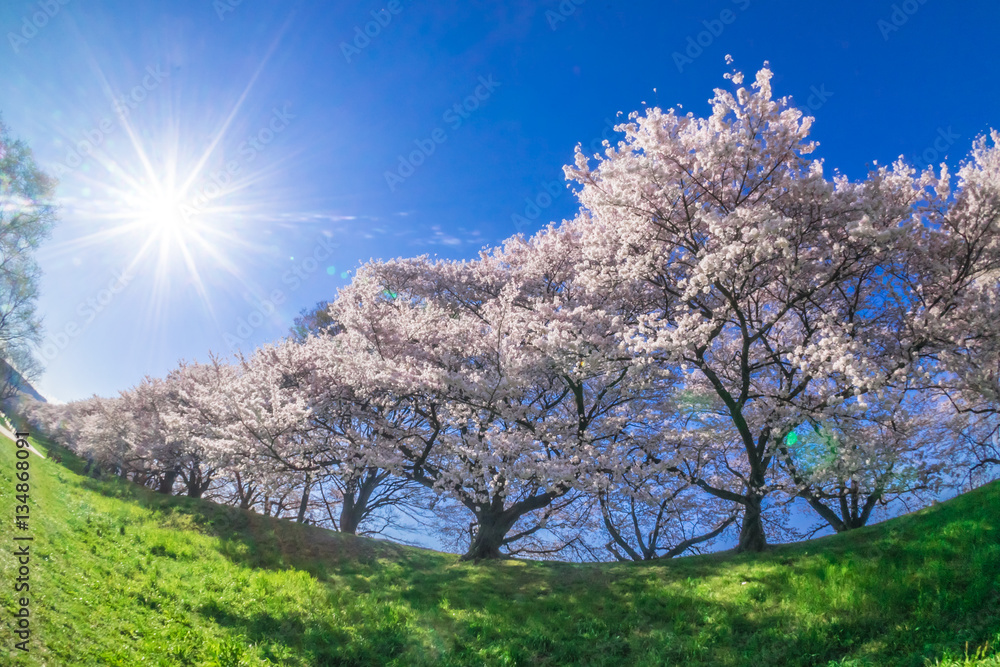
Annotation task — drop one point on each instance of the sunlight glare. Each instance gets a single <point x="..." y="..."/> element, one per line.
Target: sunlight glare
<point x="161" y="214"/>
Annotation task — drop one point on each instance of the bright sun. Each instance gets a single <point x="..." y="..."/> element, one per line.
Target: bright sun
<point x="155" y="200"/>
<point x="163" y="215"/>
<point x="173" y="228"/>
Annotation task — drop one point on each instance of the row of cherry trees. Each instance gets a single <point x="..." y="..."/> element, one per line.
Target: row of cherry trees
<point x="721" y="330"/>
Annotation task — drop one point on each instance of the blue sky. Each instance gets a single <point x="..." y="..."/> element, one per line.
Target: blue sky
<point x="266" y="131"/>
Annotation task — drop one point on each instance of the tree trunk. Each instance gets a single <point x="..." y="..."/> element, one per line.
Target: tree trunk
<point x="304" y="502"/>
<point x="493" y="522"/>
<point x="350" y="517"/>
<point x="196" y="482"/>
<point x="245" y="492"/>
<point x="491" y="529"/>
<point x="356" y="498"/>
<point x="167" y="484"/>
<point x="852" y="514"/>
<point x="752" y="537"/>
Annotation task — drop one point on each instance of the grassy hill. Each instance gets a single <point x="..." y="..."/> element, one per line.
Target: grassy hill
<point x="122" y="576"/>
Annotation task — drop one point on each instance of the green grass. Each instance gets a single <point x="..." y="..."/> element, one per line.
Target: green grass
<point x="122" y="576"/>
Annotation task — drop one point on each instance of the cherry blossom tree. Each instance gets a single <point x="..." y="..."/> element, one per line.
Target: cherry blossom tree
<point x="287" y="410"/>
<point x="194" y="419"/>
<point x="103" y="433"/>
<point x="756" y="279"/>
<point x="846" y="467"/>
<point x="955" y="273"/>
<point x="510" y="394"/>
<point x="62" y="423"/>
<point x="657" y="515"/>
<point x="457" y="407"/>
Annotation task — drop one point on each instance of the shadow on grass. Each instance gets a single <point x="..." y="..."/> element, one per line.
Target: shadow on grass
<point x="891" y="594"/>
<point x="600" y="625"/>
<point x="318" y="643"/>
<point x="896" y="594"/>
<point x="892" y="620"/>
<point x="249" y="538"/>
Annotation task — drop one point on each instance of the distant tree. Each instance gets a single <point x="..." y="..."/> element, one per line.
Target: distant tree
<point x="26" y="218"/>
<point x="314" y="321"/>
<point x="14" y="376"/>
<point x="848" y="466"/>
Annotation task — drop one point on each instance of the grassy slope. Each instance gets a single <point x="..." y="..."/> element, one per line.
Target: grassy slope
<point x="121" y="576"/>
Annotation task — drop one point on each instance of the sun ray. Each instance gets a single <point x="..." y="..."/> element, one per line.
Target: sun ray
<point x="196" y="171"/>
<point x="138" y="207"/>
